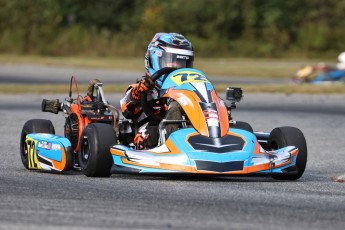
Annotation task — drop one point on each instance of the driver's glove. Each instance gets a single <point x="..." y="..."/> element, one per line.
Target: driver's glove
<point x="144" y="84"/>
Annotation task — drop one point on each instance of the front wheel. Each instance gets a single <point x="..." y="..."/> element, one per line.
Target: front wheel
<point x="289" y="136"/>
<point x="94" y="150"/>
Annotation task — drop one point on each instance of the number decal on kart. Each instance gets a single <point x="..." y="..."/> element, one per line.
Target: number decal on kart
<point x="32" y="154"/>
<point x="188" y="77"/>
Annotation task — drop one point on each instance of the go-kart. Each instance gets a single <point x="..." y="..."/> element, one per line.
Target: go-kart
<point x="310" y="74"/>
<point x="206" y="141"/>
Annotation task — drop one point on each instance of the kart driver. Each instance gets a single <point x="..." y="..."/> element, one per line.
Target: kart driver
<point x="165" y="50"/>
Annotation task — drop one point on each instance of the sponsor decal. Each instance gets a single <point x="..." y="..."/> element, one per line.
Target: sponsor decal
<point x="210" y="114"/>
<point x="188" y="77"/>
<point x="211" y="117"/>
<point x="56" y="147"/>
<point x="44" y="145"/>
<point x="221" y="102"/>
<point x="99" y="118"/>
<point x="182" y="101"/>
<point x="213" y="122"/>
<point x="182" y="57"/>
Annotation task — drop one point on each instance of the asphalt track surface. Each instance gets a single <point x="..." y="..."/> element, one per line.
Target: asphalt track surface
<point x="39" y="200"/>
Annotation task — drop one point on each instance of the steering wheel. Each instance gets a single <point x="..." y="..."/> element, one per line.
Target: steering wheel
<point x="144" y="102"/>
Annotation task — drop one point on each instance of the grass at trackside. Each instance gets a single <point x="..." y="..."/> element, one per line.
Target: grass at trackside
<point x="278" y="68"/>
<point x="116" y="88"/>
<point x="248" y="67"/>
<point x="263" y="68"/>
<point x="55" y="88"/>
<point x="135" y="64"/>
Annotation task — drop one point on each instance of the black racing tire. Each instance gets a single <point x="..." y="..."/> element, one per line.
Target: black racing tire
<point x="242" y="125"/>
<point x="289" y="136"/>
<point x="94" y="155"/>
<point x="33" y="126"/>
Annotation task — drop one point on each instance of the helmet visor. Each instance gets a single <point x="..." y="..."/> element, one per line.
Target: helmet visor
<point x="177" y="58"/>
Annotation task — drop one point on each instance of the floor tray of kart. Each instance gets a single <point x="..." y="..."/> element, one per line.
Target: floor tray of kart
<point x="207" y="140"/>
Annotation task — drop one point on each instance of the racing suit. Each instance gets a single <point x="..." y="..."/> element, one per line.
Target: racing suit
<point x="146" y="128"/>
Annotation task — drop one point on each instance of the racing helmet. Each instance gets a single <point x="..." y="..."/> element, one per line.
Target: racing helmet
<point x="341" y="59"/>
<point x="168" y="50"/>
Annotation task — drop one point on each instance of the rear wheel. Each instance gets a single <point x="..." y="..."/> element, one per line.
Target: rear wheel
<point x="33" y="126"/>
<point x="242" y="125"/>
<point x="289" y="136"/>
<point x="94" y="150"/>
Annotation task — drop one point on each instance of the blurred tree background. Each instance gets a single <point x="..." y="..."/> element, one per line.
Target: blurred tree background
<point x="217" y="28"/>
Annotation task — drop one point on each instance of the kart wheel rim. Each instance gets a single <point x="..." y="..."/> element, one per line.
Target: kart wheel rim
<point x="85" y="149"/>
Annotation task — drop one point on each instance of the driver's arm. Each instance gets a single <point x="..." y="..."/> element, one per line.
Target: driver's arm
<point x="130" y="104"/>
<point x="145" y="84"/>
<point x="130" y="107"/>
